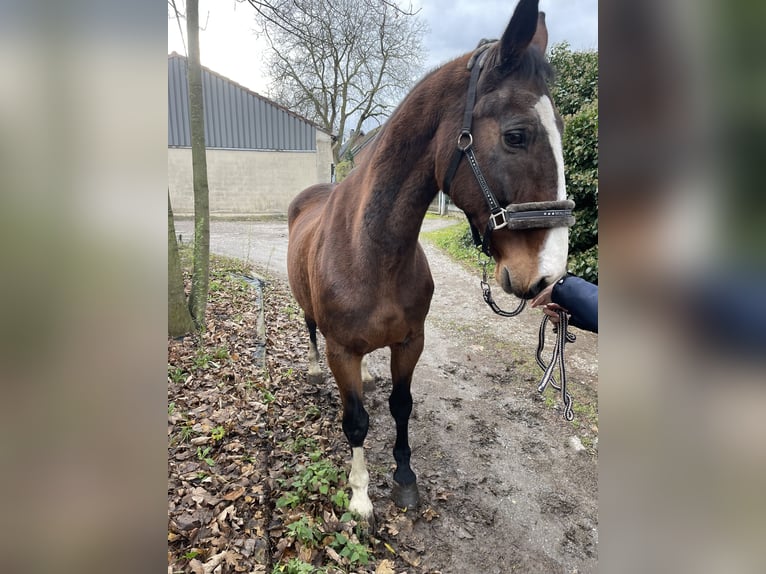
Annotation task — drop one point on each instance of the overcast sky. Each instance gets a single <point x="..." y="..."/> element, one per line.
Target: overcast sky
<point x="229" y="47"/>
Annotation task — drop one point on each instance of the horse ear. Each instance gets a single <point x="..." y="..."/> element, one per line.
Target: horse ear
<point x="540" y="38"/>
<point x="520" y="32"/>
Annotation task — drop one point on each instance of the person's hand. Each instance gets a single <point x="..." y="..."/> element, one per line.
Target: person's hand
<point x="550" y="308"/>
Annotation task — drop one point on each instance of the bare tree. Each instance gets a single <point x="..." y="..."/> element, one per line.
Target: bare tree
<point x="201" y="251"/>
<point x="340" y="63"/>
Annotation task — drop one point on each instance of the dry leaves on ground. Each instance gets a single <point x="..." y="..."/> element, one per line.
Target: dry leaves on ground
<point x="256" y="456"/>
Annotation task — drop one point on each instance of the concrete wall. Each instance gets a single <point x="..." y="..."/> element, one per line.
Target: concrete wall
<point x="248" y="182"/>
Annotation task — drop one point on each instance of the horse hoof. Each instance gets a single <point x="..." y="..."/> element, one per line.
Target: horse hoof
<point x="405" y="495"/>
<point x="315" y="378"/>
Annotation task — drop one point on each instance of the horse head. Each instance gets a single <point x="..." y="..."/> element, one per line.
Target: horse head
<point x="511" y="137"/>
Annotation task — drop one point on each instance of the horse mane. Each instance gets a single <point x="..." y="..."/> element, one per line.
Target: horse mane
<point x="532" y="66"/>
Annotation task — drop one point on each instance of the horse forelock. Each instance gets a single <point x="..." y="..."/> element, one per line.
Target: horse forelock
<point x="530" y="67"/>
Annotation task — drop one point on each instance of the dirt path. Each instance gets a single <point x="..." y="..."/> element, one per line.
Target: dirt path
<point x="500" y="482"/>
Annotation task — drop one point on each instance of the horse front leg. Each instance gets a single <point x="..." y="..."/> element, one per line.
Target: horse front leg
<point x="404" y="357"/>
<point x="347" y="370"/>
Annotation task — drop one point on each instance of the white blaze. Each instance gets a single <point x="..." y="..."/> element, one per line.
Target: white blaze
<point x="553" y="255"/>
<point x="358" y="480"/>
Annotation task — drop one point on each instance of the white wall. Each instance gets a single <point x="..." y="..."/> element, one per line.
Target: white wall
<point x="248" y="182"/>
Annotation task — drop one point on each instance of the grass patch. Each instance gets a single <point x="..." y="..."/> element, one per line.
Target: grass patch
<point x="456" y="240"/>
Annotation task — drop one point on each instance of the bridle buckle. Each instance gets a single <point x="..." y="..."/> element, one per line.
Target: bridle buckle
<point x="498" y="219"/>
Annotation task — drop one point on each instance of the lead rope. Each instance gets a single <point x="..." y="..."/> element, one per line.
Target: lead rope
<point x="487" y="292"/>
<point x="562" y="338"/>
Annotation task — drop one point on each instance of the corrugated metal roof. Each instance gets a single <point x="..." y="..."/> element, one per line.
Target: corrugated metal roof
<point x="235" y="117"/>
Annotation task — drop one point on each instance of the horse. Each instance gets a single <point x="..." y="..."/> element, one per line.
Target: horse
<point x="355" y="265"/>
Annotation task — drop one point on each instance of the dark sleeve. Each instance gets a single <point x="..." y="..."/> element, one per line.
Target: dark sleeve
<point x="580" y="298"/>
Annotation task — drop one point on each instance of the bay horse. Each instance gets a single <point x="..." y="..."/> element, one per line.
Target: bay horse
<point x="354" y="262"/>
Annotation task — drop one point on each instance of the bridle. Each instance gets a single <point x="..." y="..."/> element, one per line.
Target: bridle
<point x="530" y="215"/>
<point x="516" y="216"/>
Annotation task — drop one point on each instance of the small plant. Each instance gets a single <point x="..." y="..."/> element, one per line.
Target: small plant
<point x="290" y="499"/>
<point x="290" y="311"/>
<point x="176" y="374"/>
<point x="351" y="549"/>
<point x="186" y="432"/>
<point x="203" y="454"/>
<point x="340" y="499"/>
<point x="296" y="566"/>
<point x="319" y="476"/>
<point x="171" y="408"/>
<point x="302" y="444"/>
<point x="221" y="353"/>
<point x="218" y="433"/>
<point x="304" y="531"/>
<point x="312" y="412"/>
<point x="201" y="360"/>
<point x="267" y="396"/>
<point x="192" y="554"/>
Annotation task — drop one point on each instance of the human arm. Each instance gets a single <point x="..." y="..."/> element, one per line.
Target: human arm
<point x="574" y="295"/>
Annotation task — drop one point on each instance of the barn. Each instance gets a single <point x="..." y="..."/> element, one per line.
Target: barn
<point x="259" y="154"/>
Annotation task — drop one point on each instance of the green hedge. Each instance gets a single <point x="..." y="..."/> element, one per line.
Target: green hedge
<point x="575" y="92"/>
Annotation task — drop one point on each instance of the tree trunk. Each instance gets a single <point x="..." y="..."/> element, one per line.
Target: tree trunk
<point x="201" y="254"/>
<point x="179" y="319"/>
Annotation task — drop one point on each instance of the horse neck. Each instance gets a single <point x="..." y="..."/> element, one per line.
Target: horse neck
<point x="399" y="177"/>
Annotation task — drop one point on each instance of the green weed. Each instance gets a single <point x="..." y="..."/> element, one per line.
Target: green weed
<point x="297" y="566"/>
<point x="303" y="444"/>
<point x="350" y="548"/>
<point x="221" y="353"/>
<point x="218" y="433"/>
<point x="192" y="554"/>
<point x="340" y="499"/>
<point x="176" y="374"/>
<point x="318" y="477"/>
<point x="203" y="455"/>
<point x="201" y="359"/>
<point x="304" y="531"/>
<point x="186" y="432"/>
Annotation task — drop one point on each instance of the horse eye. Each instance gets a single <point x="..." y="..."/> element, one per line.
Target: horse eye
<point x="515" y="138"/>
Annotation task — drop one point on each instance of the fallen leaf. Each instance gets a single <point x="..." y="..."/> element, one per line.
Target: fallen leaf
<point x="429" y="514"/>
<point x="212" y="564"/>
<point x="234" y="494"/>
<point x="385" y="567"/>
<point x="334" y="556"/>
<point x="411" y="560"/>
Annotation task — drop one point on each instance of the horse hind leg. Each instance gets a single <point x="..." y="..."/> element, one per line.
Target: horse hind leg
<point x="314" y="372"/>
<point x="346" y="369"/>
<point x="404" y="357"/>
<point x="367" y="378"/>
